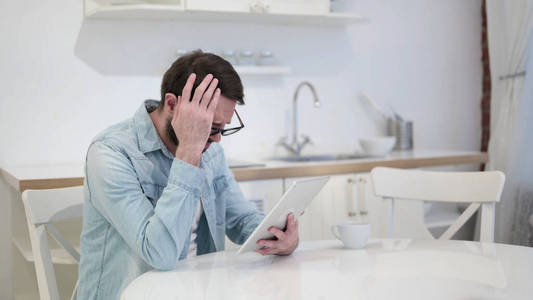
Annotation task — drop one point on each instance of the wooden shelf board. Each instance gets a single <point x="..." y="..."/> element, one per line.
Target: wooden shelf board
<point x="262" y="70"/>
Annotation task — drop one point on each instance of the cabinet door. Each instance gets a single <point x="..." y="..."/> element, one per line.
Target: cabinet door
<point x="304" y="7"/>
<point x="219" y="5"/>
<point x="369" y="208"/>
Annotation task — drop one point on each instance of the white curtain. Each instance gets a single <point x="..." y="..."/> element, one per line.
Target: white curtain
<point x="510" y="148"/>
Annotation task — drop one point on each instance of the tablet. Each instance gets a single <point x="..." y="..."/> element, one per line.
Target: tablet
<point x="295" y="200"/>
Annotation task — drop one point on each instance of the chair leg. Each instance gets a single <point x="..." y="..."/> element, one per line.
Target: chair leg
<point x="487" y="223"/>
<point x="75" y="290"/>
<point x="44" y="269"/>
<point x="391" y="217"/>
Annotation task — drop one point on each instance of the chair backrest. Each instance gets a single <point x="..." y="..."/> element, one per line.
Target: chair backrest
<point x="42" y="208"/>
<point x="481" y="189"/>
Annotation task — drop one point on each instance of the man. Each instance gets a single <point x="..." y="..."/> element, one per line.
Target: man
<point x="158" y="188"/>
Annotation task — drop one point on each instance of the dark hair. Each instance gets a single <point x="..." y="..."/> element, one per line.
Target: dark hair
<point x="202" y="64"/>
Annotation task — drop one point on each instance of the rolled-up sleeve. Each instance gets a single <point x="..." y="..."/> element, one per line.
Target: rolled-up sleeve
<point x="158" y="234"/>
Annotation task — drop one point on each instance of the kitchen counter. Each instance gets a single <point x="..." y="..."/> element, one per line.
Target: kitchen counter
<point x="15" y="179"/>
<point x="71" y="174"/>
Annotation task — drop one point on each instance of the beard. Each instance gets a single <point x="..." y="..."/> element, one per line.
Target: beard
<point x="171" y="135"/>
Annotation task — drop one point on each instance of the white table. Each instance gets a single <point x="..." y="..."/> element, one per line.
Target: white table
<point x="385" y="269"/>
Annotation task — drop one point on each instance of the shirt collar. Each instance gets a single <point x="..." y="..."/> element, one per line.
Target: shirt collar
<point x="147" y="136"/>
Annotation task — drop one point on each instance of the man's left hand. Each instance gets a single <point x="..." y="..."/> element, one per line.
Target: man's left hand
<point x="287" y="241"/>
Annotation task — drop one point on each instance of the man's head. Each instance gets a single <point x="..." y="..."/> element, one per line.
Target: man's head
<point x="202" y="64"/>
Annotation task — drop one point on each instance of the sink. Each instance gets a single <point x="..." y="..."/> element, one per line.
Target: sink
<point x="320" y="157"/>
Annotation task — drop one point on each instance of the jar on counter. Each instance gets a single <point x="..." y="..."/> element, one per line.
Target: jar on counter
<point x="246" y="58"/>
<point x="230" y="56"/>
<point x="266" y="58"/>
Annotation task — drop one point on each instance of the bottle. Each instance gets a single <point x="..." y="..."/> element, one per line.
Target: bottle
<point x="266" y="58"/>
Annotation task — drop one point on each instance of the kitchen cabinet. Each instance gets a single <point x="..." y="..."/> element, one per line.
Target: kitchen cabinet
<point x="287" y="12"/>
<point x="261" y="6"/>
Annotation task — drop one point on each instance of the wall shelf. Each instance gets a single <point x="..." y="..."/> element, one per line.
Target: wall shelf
<point x="262" y="70"/>
<point x="178" y="13"/>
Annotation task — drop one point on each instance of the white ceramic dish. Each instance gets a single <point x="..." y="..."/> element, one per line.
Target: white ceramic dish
<point x="352" y="234"/>
<point x="377" y="146"/>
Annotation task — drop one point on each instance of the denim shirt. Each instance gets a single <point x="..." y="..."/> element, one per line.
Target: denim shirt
<point x="140" y="203"/>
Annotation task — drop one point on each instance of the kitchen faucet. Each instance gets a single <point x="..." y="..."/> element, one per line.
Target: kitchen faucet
<point x="295" y="147"/>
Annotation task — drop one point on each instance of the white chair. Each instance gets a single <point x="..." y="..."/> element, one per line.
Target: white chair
<point x="43" y="207"/>
<point x="412" y="187"/>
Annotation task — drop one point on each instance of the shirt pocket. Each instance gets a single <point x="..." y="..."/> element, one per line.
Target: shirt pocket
<point x="220" y="184"/>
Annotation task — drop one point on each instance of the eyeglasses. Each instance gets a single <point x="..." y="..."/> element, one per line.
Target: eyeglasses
<point x="229" y="131"/>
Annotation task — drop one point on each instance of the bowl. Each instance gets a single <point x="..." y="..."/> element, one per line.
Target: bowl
<point x="377" y="146"/>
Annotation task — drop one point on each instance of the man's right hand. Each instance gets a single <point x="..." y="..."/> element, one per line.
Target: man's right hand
<point x="192" y="120"/>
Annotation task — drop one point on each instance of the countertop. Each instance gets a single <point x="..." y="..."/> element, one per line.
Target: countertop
<point x="71" y="174"/>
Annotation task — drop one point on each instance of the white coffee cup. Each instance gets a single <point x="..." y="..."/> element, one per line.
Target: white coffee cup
<point x="352" y="234"/>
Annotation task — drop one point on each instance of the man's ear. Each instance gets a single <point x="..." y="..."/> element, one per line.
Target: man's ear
<point x="171" y="103"/>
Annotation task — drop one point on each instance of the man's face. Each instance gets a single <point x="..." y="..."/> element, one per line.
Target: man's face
<point x="223" y="114"/>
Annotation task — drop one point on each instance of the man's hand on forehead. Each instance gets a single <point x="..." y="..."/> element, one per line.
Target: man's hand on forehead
<point x="193" y="117"/>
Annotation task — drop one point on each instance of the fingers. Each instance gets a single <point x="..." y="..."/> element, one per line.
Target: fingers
<point x="200" y="89"/>
<point x="187" y="89"/>
<point x="208" y="95"/>
<point x="205" y="94"/>
<point x="277" y="233"/>
<point x="267" y="243"/>
<point x="284" y="247"/>
<point x="176" y="107"/>
<point x="291" y="224"/>
<point x="267" y="251"/>
<point x="268" y="247"/>
<point x="287" y="240"/>
<point x="294" y="229"/>
<point x="214" y="101"/>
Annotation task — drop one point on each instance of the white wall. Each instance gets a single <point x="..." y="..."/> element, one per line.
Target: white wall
<point x="63" y="79"/>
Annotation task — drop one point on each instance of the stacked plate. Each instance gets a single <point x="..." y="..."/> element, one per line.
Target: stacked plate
<point x="403" y="131"/>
